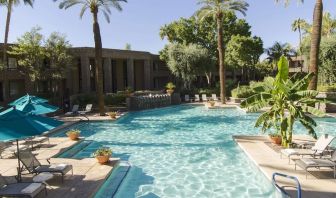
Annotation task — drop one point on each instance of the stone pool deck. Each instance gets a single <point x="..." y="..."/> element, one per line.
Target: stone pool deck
<point x="319" y="184"/>
<point x="87" y="178"/>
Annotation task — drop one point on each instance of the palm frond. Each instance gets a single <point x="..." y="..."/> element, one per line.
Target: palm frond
<point x="314" y="111"/>
<point x="303" y="83"/>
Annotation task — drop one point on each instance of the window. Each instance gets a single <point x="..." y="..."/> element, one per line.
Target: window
<point x="16" y="88"/>
<point x="43" y="86"/>
<point x="125" y="72"/>
<point x="92" y="68"/>
<point x="12" y="63"/>
<point x="155" y="66"/>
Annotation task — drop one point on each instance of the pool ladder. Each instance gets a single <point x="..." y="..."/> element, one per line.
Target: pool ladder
<point x="281" y="189"/>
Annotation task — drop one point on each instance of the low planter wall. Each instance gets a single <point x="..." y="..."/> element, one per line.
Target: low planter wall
<point x="328" y="107"/>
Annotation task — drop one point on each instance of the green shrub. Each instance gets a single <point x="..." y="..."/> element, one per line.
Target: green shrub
<point x="327" y="88"/>
<point x="242" y="92"/>
<point x="115" y="99"/>
<point x="84" y="99"/>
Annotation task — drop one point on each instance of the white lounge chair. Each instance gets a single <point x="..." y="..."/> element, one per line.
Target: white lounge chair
<point x="197" y="98"/>
<point x="204" y="98"/>
<point x="317" y="150"/>
<point x="214" y="97"/>
<point x="88" y="109"/>
<point x="33" y="165"/>
<point x="307" y="163"/>
<point x="74" y="111"/>
<point x="37" y="140"/>
<point x="186" y="98"/>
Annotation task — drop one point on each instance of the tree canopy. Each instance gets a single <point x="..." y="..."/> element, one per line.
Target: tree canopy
<point x="203" y="33"/>
<point x="187" y="61"/>
<point x="36" y="56"/>
<point x="243" y="51"/>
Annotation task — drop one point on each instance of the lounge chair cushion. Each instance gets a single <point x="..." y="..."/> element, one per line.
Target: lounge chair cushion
<point x="54" y="168"/>
<point x="290" y="152"/>
<point x="29" y="189"/>
<point x="309" y="163"/>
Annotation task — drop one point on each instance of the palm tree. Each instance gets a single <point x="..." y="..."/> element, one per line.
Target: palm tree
<point x="289" y="101"/>
<point x="95" y="6"/>
<point x="217" y="10"/>
<point x="315" y="41"/>
<point x="275" y="52"/>
<point x="328" y="25"/>
<point x="9" y="4"/>
<point x="298" y="25"/>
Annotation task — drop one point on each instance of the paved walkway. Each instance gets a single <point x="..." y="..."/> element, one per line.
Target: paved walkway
<point x="87" y="176"/>
<point x="319" y="184"/>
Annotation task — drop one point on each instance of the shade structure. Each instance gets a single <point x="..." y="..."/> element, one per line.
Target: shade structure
<point x="15" y="124"/>
<point x="34" y="105"/>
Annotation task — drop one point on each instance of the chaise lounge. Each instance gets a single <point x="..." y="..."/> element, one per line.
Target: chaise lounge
<point x="318" y="149"/>
<point x="33" y="166"/>
<point x="307" y="163"/>
<point x="22" y="189"/>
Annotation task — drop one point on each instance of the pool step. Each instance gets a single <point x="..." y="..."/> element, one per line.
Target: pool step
<point x="75" y="150"/>
<point x="114" y="181"/>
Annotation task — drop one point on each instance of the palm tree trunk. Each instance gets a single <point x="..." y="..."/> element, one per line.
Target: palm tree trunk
<point x="300" y="35"/>
<point x="98" y="61"/>
<point x="221" y="56"/>
<point x="9" y="13"/>
<point x="315" y="43"/>
<point x="5" y="62"/>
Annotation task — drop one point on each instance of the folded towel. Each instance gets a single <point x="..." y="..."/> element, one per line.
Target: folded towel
<point x="58" y="166"/>
<point x="290" y="151"/>
<point x="31" y="188"/>
<point x="308" y="161"/>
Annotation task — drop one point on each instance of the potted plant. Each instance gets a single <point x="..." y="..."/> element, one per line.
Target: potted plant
<point x="288" y="100"/>
<point x="129" y="91"/>
<point x="103" y="155"/>
<point x="211" y="103"/>
<point x="73" y="134"/>
<point x="275" y="138"/>
<point x="113" y="115"/>
<point x="170" y="88"/>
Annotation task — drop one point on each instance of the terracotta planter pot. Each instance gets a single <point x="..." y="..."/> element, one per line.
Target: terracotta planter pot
<point x="276" y="139"/>
<point x="73" y="136"/>
<point x="103" y="159"/>
<point x="170" y="91"/>
<point x="212" y="104"/>
<point x="113" y="117"/>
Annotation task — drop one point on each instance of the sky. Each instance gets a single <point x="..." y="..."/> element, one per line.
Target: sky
<point x="140" y="21"/>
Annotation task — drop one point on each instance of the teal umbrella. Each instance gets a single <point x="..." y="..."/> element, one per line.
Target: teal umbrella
<point x="15" y="125"/>
<point x="26" y="98"/>
<point x="34" y="105"/>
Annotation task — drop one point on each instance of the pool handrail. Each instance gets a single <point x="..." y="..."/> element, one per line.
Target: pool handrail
<point x="298" y="186"/>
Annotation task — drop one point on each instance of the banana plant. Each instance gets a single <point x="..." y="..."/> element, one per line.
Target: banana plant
<point x="286" y="101"/>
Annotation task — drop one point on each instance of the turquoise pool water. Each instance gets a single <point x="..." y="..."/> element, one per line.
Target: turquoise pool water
<point x="183" y="151"/>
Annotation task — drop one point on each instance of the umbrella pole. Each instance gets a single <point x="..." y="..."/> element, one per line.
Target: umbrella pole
<point x="19" y="163"/>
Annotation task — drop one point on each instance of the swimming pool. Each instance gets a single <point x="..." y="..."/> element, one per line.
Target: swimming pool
<point x="182" y="151"/>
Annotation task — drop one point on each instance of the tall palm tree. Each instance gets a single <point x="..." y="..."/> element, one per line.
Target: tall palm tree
<point x="328" y="25"/>
<point x="95" y="6"/>
<point x="298" y="25"/>
<point x="217" y="10"/>
<point x="9" y="4"/>
<point x="315" y="41"/>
